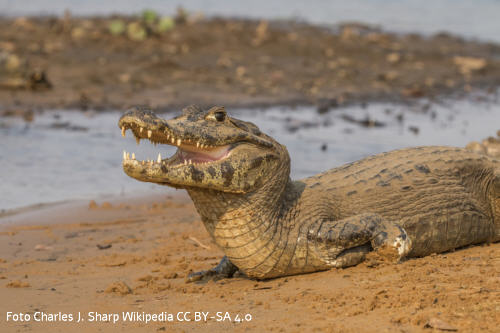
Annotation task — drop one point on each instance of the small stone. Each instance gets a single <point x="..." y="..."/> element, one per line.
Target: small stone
<point x="103" y="246"/>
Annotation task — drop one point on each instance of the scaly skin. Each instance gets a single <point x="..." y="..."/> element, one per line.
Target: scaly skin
<point x="405" y="203"/>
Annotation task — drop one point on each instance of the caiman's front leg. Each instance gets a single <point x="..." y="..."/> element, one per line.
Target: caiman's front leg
<point x="225" y="269"/>
<point x="345" y="242"/>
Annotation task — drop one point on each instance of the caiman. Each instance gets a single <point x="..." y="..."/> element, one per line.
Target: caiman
<point x="400" y="204"/>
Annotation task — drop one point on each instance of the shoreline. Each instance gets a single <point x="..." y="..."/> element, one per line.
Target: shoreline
<point x="105" y="209"/>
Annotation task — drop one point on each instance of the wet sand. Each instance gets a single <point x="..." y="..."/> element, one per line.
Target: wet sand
<point x="138" y="263"/>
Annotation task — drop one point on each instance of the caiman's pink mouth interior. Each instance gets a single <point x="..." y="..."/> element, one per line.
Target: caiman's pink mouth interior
<point x="193" y="155"/>
<point x="185" y="155"/>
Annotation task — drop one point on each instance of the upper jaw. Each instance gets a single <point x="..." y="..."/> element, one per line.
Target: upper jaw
<point x="163" y="135"/>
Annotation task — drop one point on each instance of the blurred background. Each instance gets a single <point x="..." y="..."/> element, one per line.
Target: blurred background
<point x="334" y="81"/>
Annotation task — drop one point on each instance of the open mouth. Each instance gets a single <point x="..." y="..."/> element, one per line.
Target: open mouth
<point x="188" y="152"/>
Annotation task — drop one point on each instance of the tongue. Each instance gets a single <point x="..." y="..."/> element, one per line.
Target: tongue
<point x="203" y="156"/>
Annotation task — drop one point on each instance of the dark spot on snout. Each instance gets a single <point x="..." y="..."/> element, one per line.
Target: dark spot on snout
<point x="196" y="175"/>
<point x="351" y="193"/>
<point x="211" y="171"/>
<point x="406" y="188"/>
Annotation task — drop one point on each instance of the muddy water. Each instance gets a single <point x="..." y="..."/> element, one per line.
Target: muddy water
<point x="75" y="155"/>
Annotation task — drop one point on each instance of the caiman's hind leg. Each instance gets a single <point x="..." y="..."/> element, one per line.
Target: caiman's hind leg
<point x="225" y="269"/>
<point x="345" y="242"/>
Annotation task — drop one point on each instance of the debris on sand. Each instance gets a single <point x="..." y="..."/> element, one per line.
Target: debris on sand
<point x="120" y="288"/>
<point x="440" y="325"/>
<point x="17" y="284"/>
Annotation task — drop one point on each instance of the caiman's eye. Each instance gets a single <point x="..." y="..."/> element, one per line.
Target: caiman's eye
<point x="220" y="116"/>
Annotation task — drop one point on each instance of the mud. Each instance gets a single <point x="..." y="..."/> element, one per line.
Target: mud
<point x="89" y="63"/>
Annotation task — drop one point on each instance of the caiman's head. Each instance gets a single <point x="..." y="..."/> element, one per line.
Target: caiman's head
<point x="215" y="151"/>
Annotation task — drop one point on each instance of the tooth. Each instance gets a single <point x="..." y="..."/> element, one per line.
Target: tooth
<point x="143" y="162"/>
<point x="185" y="162"/>
<point x="172" y="140"/>
<point x="159" y="157"/>
<point x="123" y="131"/>
<point x="179" y="141"/>
<point x="141" y="129"/>
<point x="128" y="156"/>
<point x="133" y="156"/>
<point x="197" y="144"/>
<point x="150" y="133"/>
<point x="190" y="162"/>
<point x="124" y="155"/>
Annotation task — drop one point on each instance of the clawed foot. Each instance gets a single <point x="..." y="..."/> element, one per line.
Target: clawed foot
<point x="225" y="269"/>
<point x="392" y="244"/>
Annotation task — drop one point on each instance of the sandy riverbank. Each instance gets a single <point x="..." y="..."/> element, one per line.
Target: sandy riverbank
<point x="139" y="263"/>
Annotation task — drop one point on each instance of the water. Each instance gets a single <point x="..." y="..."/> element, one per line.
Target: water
<point x="74" y="155"/>
<point x="471" y="19"/>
